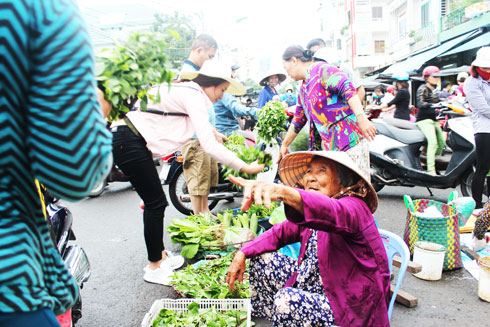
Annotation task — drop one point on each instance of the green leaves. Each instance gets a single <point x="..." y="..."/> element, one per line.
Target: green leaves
<point x="249" y="154"/>
<point x="271" y="117"/>
<point x="208" y="281"/>
<point x="126" y="73"/>
<point x="210" y="317"/>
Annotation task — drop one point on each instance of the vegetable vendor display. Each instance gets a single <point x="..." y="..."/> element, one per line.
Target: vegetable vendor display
<point x="207" y="281"/>
<point x="198" y="233"/>
<point x="272" y="118"/>
<point x="249" y="154"/>
<point x="196" y="318"/>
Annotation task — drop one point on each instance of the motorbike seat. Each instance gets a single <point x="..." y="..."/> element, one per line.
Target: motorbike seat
<point x="406" y="136"/>
<point x="401" y="123"/>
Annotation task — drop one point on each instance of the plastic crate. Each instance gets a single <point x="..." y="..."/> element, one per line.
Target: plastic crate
<point x="180" y="305"/>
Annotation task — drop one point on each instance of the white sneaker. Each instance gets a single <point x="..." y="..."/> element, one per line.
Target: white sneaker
<point x="158" y="276"/>
<point x="174" y="261"/>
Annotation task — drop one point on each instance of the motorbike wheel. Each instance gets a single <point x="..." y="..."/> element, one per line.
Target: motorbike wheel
<point x="466" y="185"/>
<point x="98" y="188"/>
<point x="378" y="186"/>
<point x="178" y="188"/>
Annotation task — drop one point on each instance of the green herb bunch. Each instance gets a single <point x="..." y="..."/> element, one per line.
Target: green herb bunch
<point x="196" y="233"/>
<point x="206" y="318"/>
<point x="271" y="121"/>
<point x="126" y="73"/>
<point x="208" y="281"/>
<point x="249" y="154"/>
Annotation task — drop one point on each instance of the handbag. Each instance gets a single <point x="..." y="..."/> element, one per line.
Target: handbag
<point x="443" y="230"/>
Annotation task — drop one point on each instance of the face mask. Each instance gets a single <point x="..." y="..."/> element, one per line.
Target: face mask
<point x="483" y="74"/>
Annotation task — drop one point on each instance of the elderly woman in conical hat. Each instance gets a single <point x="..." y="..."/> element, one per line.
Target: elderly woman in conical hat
<point x="342" y="275"/>
<point x="270" y="81"/>
<point x="161" y="130"/>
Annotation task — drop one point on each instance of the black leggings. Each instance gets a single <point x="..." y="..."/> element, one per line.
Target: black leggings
<point x="482" y="142"/>
<point x="135" y="160"/>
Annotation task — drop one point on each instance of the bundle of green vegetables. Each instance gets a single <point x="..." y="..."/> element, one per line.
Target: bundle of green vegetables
<point x="249" y="154"/>
<point x="196" y="318"/>
<point x="271" y="121"/>
<point x="208" y="281"/>
<point x="196" y="232"/>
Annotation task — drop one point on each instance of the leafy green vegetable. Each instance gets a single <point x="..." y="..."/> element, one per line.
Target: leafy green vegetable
<point x="126" y="73"/>
<point x="194" y="317"/>
<point x="195" y="233"/>
<point x="248" y="154"/>
<point x="208" y="281"/>
<point x="271" y="121"/>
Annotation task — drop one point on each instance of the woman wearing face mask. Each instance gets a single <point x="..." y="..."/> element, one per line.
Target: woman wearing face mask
<point x="161" y="130"/>
<point x="477" y="90"/>
<point x="269" y="82"/>
<point x="426" y="116"/>
<point x="328" y="100"/>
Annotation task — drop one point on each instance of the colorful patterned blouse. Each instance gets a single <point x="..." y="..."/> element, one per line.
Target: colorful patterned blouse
<point x="323" y="101"/>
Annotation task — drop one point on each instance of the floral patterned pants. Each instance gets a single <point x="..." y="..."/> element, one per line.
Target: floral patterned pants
<point x="285" y="306"/>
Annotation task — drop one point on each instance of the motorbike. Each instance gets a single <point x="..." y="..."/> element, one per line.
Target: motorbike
<point x="60" y="223"/>
<point x="172" y="174"/>
<point x="396" y="160"/>
<point x="115" y="175"/>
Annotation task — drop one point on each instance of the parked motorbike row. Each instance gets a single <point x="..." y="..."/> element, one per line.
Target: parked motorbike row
<point x="396" y="158"/>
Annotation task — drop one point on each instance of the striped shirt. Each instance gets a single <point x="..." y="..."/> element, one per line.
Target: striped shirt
<point x="51" y="129"/>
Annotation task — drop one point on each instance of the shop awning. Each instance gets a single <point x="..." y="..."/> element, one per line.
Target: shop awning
<point x="477" y="42"/>
<point x="414" y="62"/>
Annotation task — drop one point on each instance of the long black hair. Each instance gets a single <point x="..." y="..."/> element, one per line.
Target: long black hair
<point x="205" y="81"/>
<point x="298" y="52"/>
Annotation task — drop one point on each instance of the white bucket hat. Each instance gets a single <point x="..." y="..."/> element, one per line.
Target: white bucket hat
<point x="272" y="72"/>
<point x="482" y="58"/>
<point x="213" y="68"/>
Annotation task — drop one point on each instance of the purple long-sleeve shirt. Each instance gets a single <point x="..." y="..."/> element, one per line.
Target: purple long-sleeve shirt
<point x="351" y="255"/>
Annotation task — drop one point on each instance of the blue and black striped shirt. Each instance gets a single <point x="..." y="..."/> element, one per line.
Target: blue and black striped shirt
<point x="51" y="129"/>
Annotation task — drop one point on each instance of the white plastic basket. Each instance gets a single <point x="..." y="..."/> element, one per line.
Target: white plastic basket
<point x="180" y="305"/>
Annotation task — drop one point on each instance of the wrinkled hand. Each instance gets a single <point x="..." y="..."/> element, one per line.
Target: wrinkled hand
<point x="236" y="269"/>
<point x="282" y="153"/>
<point x="253" y="168"/>
<point x="480" y="244"/>
<point x="257" y="192"/>
<point x="367" y="128"/>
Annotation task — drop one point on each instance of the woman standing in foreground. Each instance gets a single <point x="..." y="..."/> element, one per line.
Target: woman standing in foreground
<point x="328" y="100"/>
<point x="142" y="135"/>
<point x="477" y="90"/>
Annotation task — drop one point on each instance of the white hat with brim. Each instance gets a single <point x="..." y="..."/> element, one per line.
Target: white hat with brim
<point x="482" y="58"/>
<point x="280" y="75"/>
<point x="294" y="166"/>
<point x="214" y="69"/>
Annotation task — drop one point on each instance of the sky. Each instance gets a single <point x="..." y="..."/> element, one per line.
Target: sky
<point x="265" y="27"/>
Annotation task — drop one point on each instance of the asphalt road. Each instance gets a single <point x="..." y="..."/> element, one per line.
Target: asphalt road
<point x="110" y="229"/>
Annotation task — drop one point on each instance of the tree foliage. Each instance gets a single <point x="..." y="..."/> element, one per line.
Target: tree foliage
<point x="180" y="33"/>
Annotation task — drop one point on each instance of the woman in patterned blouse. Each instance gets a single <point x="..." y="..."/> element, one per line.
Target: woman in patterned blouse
<point x="328" y="100"/>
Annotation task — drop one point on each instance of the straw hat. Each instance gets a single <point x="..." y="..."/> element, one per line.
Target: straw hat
<point x="482" y="58"/>
<point x="213" y="68"/>
<point x="272" y="72"/>
<point x="293" y="167"/>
